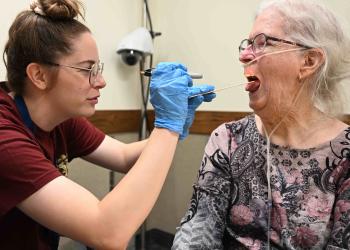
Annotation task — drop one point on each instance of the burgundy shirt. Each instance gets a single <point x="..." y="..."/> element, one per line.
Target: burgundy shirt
<point x="28" y="161"/>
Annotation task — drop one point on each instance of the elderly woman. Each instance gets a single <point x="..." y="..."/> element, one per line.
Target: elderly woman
<point x="278" y="179"/>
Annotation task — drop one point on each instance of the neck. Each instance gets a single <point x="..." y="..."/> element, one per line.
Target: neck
<point x="42" y="113"/>
<point x="302" y="129"/>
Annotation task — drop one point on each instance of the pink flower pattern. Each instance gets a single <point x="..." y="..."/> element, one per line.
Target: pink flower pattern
<point x="305" y="237"/>
<point x="310" y="207"/>
<point x="241" y="215"/>
<point x="317" y="207"/>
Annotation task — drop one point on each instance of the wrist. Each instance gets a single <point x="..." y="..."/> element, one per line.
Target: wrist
<point x="165" y="132"/>
<point x="173" y="125"/>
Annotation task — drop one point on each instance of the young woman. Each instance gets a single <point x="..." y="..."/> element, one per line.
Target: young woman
<point x="55" y="77"/>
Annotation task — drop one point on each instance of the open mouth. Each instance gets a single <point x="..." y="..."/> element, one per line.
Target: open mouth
<point x="253" y="83"/>
<point x="252" y="78"/>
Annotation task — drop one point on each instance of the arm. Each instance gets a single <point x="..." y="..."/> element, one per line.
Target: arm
<point x="109" y="223"/>
<point x="118" y="156"/>
<point x="67" y="208"/>
<point x="340" y="235"/>
<point x="115" y="155"/>
<point x="204" y="223"/>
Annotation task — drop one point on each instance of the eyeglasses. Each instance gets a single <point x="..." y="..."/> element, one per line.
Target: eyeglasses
<point x="94" y="72"/>
<point x="260" y="41"/>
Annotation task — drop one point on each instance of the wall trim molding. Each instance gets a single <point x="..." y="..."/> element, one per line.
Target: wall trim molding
<point x="121" y="121"/>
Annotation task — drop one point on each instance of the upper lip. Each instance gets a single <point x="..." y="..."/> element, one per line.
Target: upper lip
<point x="95" y="97"/>
<point x="251" y="77"/>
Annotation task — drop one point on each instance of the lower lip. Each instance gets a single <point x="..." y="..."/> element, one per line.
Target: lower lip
<point x="93" y="101"/>
<point x="252" y="90"/>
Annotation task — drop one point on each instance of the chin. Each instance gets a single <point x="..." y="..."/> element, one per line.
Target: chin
<point x="254" y="106"/>
<point x="257" y="107"/>
<point x="87" y="112"/>
<point x="90" y="113"/>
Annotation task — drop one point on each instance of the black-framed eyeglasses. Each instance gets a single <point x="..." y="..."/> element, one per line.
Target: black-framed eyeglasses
<point x="260" y="41"/>
<point x="94" y="72"/>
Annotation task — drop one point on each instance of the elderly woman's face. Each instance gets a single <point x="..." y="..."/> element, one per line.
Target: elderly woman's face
<point x="273" y="76"/>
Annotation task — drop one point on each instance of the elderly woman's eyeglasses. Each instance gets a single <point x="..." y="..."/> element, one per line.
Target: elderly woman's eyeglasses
<point x="260" y="41"/>
<point x="94" y="72"/>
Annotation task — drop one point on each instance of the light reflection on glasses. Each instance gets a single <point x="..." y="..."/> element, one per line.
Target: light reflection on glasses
<point x="260" y="41"/>
<point x="95" y="72"/>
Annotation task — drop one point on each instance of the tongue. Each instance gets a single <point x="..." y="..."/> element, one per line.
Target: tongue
<point x="252" y="86"/>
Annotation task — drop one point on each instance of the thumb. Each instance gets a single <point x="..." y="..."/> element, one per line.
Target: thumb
<point x="195" y="90"/>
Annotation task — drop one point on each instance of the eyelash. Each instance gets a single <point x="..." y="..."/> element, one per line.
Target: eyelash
<point x="84" y="71"/>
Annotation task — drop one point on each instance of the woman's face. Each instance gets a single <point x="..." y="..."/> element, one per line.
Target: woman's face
<point x="276" y="75"/>
<point x="71" y="94"/>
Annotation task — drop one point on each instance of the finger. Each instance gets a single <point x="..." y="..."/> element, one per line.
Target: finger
<point x="169" y="66"/>
<point x="209" y="97"/>
<point x="195" y="90"/>
<point x="206" y="88"/>
<point x="190" y="80"/>
<point x="194" y="102"/>
<point x="169" y="74"/>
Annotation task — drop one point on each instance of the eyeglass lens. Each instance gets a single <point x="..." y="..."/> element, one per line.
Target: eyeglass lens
<point x="96" y="71"/>
<point x="258" y="43"/>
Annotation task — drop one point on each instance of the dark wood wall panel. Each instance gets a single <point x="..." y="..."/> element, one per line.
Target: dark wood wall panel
<point x="116" y="121"/>
<point x="119" y="121"/>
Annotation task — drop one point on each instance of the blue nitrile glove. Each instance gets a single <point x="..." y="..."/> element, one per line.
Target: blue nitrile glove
<point x="193" y="104"/>
<point x="169" y="95"/>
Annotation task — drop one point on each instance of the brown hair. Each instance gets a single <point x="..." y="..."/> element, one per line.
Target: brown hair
<point x="41" y="35"/>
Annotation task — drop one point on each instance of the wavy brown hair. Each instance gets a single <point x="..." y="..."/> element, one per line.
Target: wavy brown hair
<point x="40" y="35"/>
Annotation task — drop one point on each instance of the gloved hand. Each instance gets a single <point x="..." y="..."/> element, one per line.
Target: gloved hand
<point x="193" y="104"/>
<point x="169" y="95"/>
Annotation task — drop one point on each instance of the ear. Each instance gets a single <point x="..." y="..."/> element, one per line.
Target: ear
<point x="312" y="61"/>
<point x="37" y="74"/>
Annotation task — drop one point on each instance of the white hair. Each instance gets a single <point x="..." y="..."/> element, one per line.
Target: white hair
<point x="307" y="22"/>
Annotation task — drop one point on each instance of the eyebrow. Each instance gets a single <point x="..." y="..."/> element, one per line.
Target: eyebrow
<point x="87" y="61"/>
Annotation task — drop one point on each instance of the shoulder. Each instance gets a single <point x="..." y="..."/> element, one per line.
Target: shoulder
<point x="8" y="111"/>
<point x="234" y="128"/>
<point x="229" y="134"/>
<point x="341" y="143"/>
<point x="81" y="136"/>
<point x="80" y="126"/>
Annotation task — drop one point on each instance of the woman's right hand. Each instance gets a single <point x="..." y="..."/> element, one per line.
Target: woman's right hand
<point x="169" y="95"/>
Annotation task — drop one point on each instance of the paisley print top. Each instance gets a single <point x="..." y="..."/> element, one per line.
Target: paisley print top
<point x="229" y="209"/>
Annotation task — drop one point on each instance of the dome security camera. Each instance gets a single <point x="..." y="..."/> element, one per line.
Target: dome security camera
<point x="135" y="45"/>
<point x="130" y="57"/>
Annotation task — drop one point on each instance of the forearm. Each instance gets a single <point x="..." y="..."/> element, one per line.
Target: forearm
<point x="132" y="153"/>
<point x="200" y="224"/>
<point x="124" y="209"/>
<point x="115" y="155"/>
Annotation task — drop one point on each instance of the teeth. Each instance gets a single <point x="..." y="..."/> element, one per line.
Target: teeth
<point x="251" y="78"/>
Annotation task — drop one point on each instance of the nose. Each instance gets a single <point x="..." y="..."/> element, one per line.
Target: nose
<point x="100" y="82"/>
<point x="246" y="55"/>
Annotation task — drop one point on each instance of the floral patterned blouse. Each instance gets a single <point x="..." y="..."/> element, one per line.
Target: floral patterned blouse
<point x="310" y="207"/>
